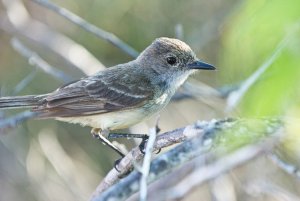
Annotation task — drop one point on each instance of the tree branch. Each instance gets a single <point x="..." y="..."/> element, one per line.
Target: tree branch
<point x="206" y="137"/>
<point x="287" y="167"/>
<point x="18" y="21"/>
<point x="235" y="97"/>
<point x="211" y="171"/>
<point x="113" y="39"/>
<point x="35" y="60"/>
<point x="15" y="120"/>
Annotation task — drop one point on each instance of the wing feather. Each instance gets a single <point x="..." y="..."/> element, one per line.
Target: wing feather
<point x="106" y="92"/>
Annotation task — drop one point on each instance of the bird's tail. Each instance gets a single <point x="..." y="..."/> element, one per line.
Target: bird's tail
<point x="20" y="101"/>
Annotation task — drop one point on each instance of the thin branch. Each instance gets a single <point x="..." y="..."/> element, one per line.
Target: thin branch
<point x="219" y="167"/>
<point x="261" y="189"/>
<point x="146" y="164"/>
<point x="235" y="97"/>
<point x="89" y="27"/>
<point x="24" y="82"/>
<point x="12" y="122"/>
<point x="287" y="167"/>
<point x="17" y="20"/>
<point x="35" y="60"/>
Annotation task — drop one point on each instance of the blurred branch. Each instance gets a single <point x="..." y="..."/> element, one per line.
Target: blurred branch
<point x="263" y="188"/>
<point x="55" y="153"/>
<point x="89" y="27"/>
<point x="287" y="167"/>
<point x="224" y="164"/>
<point x="18" y="21"/>
<point x="203" y="134"/>
<point x="24" y="82"/>
<point x="235" y="97"/>
<point x="35" y="60"/>
<point x="197" y="90"/>
<point x="12" y="122"/>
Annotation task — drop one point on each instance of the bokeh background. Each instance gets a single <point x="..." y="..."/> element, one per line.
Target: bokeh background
<point x="49" y="160"/>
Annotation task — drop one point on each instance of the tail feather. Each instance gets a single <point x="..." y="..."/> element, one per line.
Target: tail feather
<point x="20" y="101"/>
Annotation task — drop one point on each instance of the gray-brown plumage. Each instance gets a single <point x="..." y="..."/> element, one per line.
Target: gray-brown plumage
<point x="121" y="95"/>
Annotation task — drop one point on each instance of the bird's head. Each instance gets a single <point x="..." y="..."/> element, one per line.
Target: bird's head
<point x="167" y="55"/>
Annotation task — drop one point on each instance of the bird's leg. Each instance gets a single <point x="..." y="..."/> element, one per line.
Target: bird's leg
<point x="100" y="135"/>
<point x="126" y="135"/>
<point x="144" y="138"/>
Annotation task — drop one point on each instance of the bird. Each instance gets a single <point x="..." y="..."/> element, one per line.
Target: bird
<point x="120" y="96"/>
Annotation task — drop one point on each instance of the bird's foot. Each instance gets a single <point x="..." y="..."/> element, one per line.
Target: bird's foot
<point x="142" y="146"/>
<point x="97" y="134"/>
<point x="116" y="163"/>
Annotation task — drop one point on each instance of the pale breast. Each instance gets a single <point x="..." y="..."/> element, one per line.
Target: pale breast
<point x="111" y="121"/>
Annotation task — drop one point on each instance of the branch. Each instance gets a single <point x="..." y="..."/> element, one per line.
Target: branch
<point x="269" y="191"/>
<point x="219" y="167"/>
<point x="235" y="97"/>
<point x="17" y="20"/>
<point x="15" y="120"/>
<point x="126" y="164"/>
<point x="35" y="60"/>
<point x="287" y="167"/>
<point x="24" y="82"/>
<point x="146" y="164"/>
<point x="206" y="137"/>
<point x="89" y="27"/>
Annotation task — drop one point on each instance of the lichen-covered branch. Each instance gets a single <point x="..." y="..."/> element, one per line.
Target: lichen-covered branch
<point x="202" y="137"/>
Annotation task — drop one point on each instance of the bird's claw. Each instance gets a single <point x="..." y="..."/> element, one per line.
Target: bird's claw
<point x="158" y="151"/>
<point x="142" y="145"/>
<point x="117" y="162"/>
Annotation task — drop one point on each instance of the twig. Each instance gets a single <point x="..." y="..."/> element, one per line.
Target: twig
<point x="266" y="188"/>
<point x="18" y="21"/>
<point x="219" y="167"/>
<point x="35" y="60"/>
<point x="235" y="97"/>
<point x="146" y="164"/>
<point x="23" y="83"/>
<point x="287" y="167"/>
<point x="12" y="122"/>
<point x="54" y="152"/>
<point x="89" y="27"/>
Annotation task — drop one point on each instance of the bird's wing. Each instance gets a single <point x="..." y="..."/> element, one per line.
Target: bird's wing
<point x="103" y="93"/>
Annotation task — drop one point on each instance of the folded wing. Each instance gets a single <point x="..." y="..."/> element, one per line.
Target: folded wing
<point x="103" y="93"/>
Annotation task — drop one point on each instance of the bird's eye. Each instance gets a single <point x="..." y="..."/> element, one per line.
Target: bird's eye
<point x="171" y="60"/>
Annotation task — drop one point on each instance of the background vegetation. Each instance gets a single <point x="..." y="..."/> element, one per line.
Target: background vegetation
<point x="50" y="160"/>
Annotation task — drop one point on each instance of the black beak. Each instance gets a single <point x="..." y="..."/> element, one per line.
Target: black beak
<point x="201" y="65"/>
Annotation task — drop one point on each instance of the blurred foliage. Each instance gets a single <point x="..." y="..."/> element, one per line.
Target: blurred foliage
<point x="48" y="160"/>
<point x="244" y="132"/>
<point x="252" y="35"/>
<point x="257" y="30"/>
